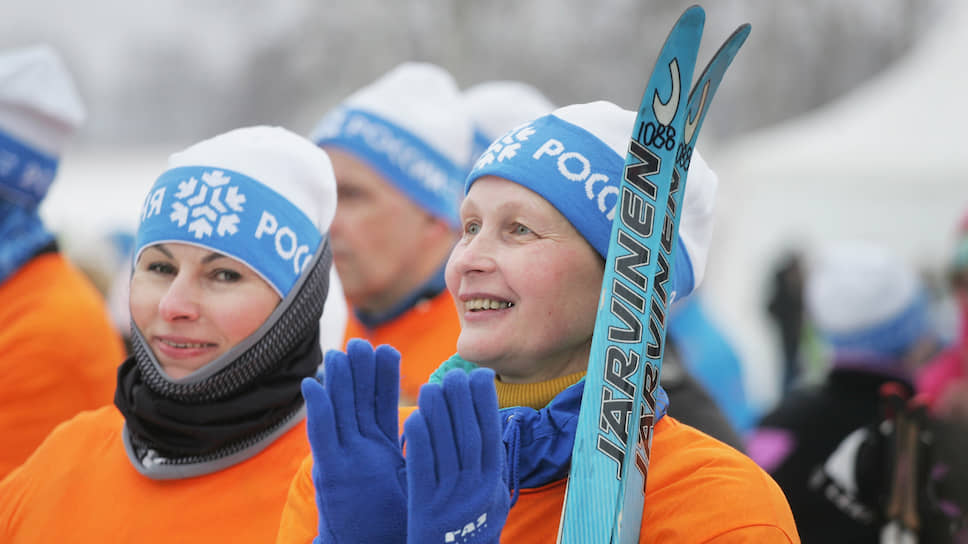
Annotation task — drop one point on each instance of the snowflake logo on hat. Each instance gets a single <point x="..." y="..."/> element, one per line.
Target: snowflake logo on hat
<point x="205" y="208"/>
<point x="506" y="147"/>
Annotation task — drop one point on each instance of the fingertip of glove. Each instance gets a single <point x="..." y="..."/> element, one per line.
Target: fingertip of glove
<point x="431" y="395"/>
<point x="457" y="377"/>
<point x="415" y="430"/>
<point x="482" y="375"/>
<point x="359" y="344"/>
<point x="386" y="350"/>
<point x="412" y="417"/>
<point x="482" y="382"/>
<point x="334" y="357"/>
<point x="310" y="385"/>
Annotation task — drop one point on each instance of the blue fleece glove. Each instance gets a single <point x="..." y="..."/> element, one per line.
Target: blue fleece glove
<point x="455" y="462"/>
<point x="358" y="467"/>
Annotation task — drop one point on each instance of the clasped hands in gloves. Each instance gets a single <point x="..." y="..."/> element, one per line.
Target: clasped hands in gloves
<point x="450" y="487"/>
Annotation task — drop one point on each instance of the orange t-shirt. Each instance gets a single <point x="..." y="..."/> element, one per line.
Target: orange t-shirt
<point x="698" y="490"/>
<point x="79" y="486"/>
<point x="59" y="353"/>
<point x="426" y="335"/>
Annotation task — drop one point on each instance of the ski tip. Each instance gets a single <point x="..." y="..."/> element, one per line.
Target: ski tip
<point x="742" y="32"/>
<point x="693" y="14"/>
<point x="695" y="8"/>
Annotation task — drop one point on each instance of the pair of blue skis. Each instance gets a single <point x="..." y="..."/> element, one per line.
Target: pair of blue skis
<point x="610" y="460"/>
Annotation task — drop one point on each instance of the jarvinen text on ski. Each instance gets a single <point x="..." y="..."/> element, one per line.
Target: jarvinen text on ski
<point x="628" y="289"/>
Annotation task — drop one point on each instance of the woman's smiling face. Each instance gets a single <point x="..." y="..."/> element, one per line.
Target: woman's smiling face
<point x="192" y="304"/>
<point x="526" y="284"/>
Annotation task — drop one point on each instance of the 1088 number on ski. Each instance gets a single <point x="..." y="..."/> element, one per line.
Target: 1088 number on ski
<point x="657" y="136"/>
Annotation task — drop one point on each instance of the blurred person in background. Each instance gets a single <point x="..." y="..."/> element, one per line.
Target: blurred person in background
<point x="944" y="381"/>
<point x="497" y="106"/>
<point x="873" y="311"/>
<point x="704" y="377"/>
<point x="690" y="402"/>
<point x="58" y="350"/>
<point x="399" y="147"/>
<point x="231" y="270"/>
<point x="785" y="307"/>
<point x="104" y="256"/>
<point x="943" y="384"/>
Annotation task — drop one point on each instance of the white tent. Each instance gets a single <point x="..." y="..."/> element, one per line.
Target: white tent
<point x="887" y="163"/>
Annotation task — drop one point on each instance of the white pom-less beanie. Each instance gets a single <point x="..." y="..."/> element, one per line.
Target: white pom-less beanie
<point x="262" y="195"/>
<point x="498" y="106"/>
<point x="412" y="127"/>
<point x="39" y="111"/>
<point x="574" y="159"/>
<point x="866" y="302"/>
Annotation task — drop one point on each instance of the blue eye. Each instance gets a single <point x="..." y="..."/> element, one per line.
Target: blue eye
<point x="472" y="228"/>
<point x="521" y="229"/>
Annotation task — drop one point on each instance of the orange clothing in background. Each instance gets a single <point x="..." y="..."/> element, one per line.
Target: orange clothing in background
<point x="59" y="353"/>
<point x="79" y="486"/>
<point x="698" y="490"/>
<point x="426" y="335"/>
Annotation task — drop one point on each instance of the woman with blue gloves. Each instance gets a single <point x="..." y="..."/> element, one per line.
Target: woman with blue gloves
<point x="485" y="456"/>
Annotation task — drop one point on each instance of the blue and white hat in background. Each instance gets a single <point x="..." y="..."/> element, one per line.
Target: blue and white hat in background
<point x="574" y="159"/>
<point x="498" y="106"/>
<point x="262" y="195"/>
<point x="411" y="126"/>
<point x="866" y="302"/>
<point x="39" y="111"/>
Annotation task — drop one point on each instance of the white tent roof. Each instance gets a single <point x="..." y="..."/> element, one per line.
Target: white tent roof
<point x="886" y="163"/>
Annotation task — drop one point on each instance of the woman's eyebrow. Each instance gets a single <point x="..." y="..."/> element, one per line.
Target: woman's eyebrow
<point x="163" y="249"/>
<point x="211" y="257"/>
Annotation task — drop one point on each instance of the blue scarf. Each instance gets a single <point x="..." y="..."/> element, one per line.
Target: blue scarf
<point x="22" y="235"/>
<point x="539" y="442"/>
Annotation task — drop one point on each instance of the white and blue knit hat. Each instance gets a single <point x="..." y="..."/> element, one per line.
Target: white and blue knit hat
<point x="866" y="302"/>
<point x="574" y="158"/>
<point x="411" y="126"/>
<point x="498" y="106"/>
<point x="39" y="111"/>
<point x="262" y="195"/>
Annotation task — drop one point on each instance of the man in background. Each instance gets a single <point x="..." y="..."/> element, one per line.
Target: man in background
<point x="59" y="352"/>
<point x="400" y="148"/>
